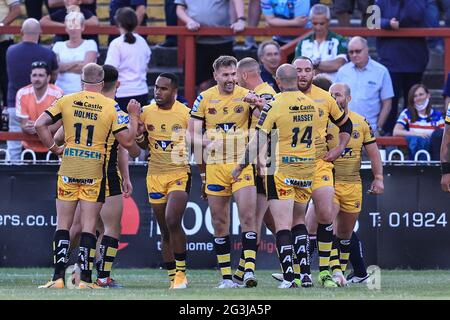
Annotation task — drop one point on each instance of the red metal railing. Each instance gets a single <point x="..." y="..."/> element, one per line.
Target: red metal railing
<point x="186" y="54"/>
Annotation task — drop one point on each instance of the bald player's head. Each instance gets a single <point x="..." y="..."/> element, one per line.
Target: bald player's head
<point x="31" y="27"/>
<point x="92" y="77"/>
<point x="286" y="77"/>
<point x="248" y="73"/>
<point x="341" y="93"/>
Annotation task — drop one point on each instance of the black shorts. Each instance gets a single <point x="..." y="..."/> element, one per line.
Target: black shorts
<point x="113" y="184"/>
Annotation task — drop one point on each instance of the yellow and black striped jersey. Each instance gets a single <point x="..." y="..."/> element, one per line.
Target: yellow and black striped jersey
<point x="327" y="109"/>
<point x="347" y="166"/>
<point x="264" y="90"/>
<point x="291" y="120"/>
<point x="226" y="118"/>
<point x="167" y="138"/>
<point x="89" y="120"/>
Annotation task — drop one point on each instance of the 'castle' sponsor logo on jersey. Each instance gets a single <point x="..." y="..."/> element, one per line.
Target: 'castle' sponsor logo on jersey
<point x="298" y="183"/>
<point x="302" y="108"/>
<point x="302" y="117"/>
<point x="355" y="134"/>
<point x="80" y="153"/>
<point x="92" y="106"/>
<point x="78" y="181"/>
<point x="85" y="115"/>
<point x="291" y="159"/>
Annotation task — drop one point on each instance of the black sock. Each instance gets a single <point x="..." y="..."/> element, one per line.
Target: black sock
<point x="356" y="256"/>
<point x="249" y="249"/>
<point x="324" y="243"/>
<point x="284" y="245"/>
<point x="180" y="261"/>
<point x="86" y="255"/>
<point x="108" y="251"/>
<point x="61" y="243"/>
<point x="223" y="249"/>
<point x="301" y="247"/>
<point x="171" y="268"/>
<point x="239" y="274"/>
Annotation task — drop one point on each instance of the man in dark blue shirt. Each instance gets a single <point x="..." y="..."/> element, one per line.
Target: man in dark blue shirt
<point x="19" y="58"/>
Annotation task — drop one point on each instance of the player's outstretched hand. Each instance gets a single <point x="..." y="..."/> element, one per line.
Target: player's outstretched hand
<point x="445" y="182"/>
<point x="134" y="108"/>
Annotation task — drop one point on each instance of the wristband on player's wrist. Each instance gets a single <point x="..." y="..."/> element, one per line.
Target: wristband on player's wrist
<point x="445" y="167"/>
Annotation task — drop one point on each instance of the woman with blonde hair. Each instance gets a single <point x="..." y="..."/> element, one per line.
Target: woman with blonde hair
<point x="74" y="53"/>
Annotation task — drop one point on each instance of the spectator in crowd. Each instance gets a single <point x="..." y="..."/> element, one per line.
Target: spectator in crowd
<point x="370" y="83"/>
<point x="73" y="54"/>
<point x="90" y="5"/>
<point x="170" y="11"/>
<point x="270" y="59"/>
<point x="130" y="55"/>
<point x="254" y="15"/>
<point x="57" y="18"/>
<point x="9" y="11"/>
<point x="420" y="124"/>
<point x="19" y="58"/>
<point x="343" y="9"/>
<point x="139" y="6"/>
<point x="34" y="99"/>
<point x="326" y="49"/>
<point x="34" y="8"/>
<point x="406" y="58"/>
<point x="285" y="13"/>
<point x="212" y="14"/>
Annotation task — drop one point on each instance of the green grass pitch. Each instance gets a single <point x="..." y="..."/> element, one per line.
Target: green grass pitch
<point x="153" y="284"/>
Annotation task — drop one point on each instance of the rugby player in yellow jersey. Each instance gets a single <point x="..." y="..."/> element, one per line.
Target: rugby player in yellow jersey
<point x="89" y="118"/>
<point x="290" y="120"/>
<point x="445" y="154"/>
<point x="249" y="77"/>
<point x="347" y="201"/>
<point x="225" y="115"/>
<point x="168" y="175"/>
<point x="118" y="181"/>
<point x="323" y="180"/>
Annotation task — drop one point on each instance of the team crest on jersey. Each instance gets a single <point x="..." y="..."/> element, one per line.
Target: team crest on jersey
<point x="78" y="103"/>
<point x="329" y="137"/>
<point x="212" y="110"/>
<point x="150" y="127"/>
<point x="355" y="134"/>
<point x="164" y="144"/>
<point x="176" y="128"/>
<point x="321" y="112"/>
<point x="239" y="109"/>
<point x="225" y="126"/>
